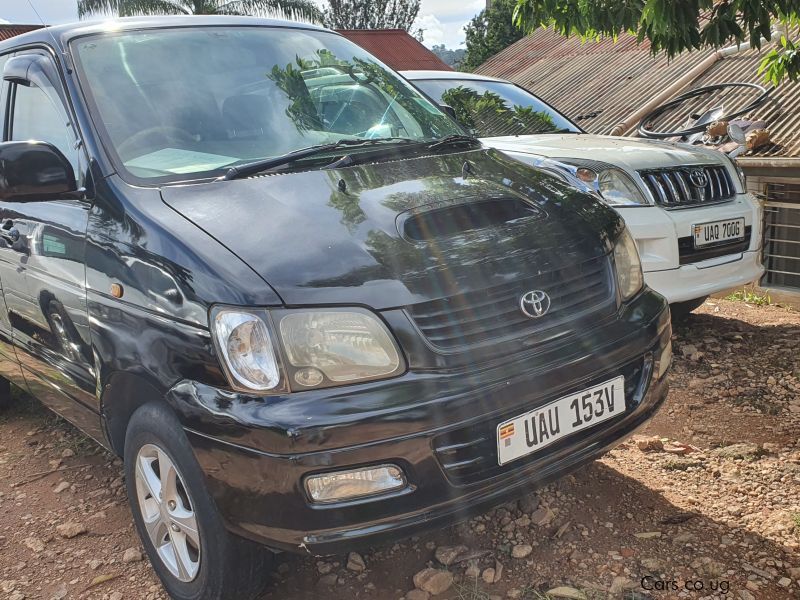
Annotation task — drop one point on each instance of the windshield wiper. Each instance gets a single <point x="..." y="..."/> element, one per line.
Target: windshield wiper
<point x="456" y="139"/>
<point x="259" y="166"/>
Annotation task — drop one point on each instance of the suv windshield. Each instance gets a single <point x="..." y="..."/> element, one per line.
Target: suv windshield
<point x="182" y="102"/>
<point x="495" y="108"/>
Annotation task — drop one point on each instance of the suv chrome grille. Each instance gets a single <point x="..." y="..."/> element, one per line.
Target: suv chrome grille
<point x="578" y="292"/>
<point x="689" y="186"/>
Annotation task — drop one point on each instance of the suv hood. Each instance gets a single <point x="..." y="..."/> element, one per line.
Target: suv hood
<point x="632" y="153"/>
<point x="399" y="232"/>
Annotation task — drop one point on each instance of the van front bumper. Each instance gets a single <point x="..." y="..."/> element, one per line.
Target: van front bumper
<point x="257" y="452"/>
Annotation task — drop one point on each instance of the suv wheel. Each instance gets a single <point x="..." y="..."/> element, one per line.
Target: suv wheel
<point x="681" y="310"/>
<point x="190" y="549"/>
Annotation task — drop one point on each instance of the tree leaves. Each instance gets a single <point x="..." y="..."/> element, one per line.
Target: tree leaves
<point x="489" y="32"/>
<point x="674" y="26"/>
<point x="293" y="9"/>
<point x="781" y="62"/>
<point x="371" y="14"/>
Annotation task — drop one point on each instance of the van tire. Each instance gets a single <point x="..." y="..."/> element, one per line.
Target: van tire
<point x="681" y="310"/>
<point x="226" y="566"/>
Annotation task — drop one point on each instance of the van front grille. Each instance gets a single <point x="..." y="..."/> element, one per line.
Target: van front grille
<point x="689" y="186"/>
<point x="577" y="293"/>
<point x="469" y="454"/>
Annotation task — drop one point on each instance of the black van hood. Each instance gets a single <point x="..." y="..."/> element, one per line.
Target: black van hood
<point x="397" y="233"/>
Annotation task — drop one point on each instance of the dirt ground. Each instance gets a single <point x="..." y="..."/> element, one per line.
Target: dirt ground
<point x="707" y="496"/>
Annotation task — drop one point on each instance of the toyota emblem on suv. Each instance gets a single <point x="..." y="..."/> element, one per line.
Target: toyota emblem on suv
<point x="535" y="303"/>
<point x="698" y="178"/>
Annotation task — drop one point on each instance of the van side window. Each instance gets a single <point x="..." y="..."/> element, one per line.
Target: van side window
<point x="36" y="116"/>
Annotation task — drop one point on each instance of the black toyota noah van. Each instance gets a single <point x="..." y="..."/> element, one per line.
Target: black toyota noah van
<point x="306" y="309"/>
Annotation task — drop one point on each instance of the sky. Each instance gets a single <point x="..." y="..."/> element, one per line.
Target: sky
<point x="442" y="20"/>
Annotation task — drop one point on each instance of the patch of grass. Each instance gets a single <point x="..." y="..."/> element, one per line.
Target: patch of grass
<point x="470" y="591"/>
<point x="796" y="521"/>
<point x="681" y="463"/>
<point x="750" y="296"/>
<point x="531" y="593"/>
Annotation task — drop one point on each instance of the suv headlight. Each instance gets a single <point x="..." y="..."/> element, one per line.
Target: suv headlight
<point x="628" y="266"/>
<point x="613" y="184"/>
<point x="737" y="168"/>
<point x="275" y="351"/>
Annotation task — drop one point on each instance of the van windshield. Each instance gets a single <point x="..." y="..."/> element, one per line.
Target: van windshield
<point x="496" y="108"/>
<point x="178" y="103"/>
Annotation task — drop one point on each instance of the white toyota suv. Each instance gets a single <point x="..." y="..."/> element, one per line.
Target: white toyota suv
<point x="697" y="229"/>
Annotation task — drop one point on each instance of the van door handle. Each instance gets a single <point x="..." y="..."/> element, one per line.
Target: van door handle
<point x="8" y="232"/>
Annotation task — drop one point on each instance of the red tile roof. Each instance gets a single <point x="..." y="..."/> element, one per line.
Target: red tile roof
<point x="8" y="31"/>
<point x="396" y="48"/>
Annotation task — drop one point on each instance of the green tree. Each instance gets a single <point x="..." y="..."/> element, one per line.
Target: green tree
<point x="371" y="14"/>
<point x="451" y="57"/>
<point x="293" y="9"/>
<point x="491" y="31"/>
<point x="674" y="26"/>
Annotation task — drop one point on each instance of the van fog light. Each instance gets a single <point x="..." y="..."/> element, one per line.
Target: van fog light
<point x="358" y="483"/>
<point x="308" y="377"/>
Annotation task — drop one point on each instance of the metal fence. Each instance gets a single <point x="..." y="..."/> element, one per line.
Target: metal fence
<point x="782" y="235"/>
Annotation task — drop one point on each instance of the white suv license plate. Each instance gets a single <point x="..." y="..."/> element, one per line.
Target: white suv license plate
<point x="715" y="232"/>
<point x="529" y="433"/>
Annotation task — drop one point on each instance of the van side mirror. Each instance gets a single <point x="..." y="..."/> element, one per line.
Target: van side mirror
<point x="30" y="69"/>
<point x="35" y="171"/>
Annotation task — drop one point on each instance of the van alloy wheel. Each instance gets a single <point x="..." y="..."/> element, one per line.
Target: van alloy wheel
<point x="167" y="512"/>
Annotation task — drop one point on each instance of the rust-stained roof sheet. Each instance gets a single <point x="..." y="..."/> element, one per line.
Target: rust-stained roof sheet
<point x="598" y="84"/>
<point x="396" y="48"/>
<point x="7" y="31"/>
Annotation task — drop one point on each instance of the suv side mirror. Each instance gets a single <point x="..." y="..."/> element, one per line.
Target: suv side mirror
<point x="35" y="171"/>
<point x="449" y="110"/>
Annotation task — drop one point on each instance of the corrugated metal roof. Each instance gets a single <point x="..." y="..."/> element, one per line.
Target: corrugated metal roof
<point x="396" y="48"/>
<point x="598" y="84"/>
<point x="9" y="31"/>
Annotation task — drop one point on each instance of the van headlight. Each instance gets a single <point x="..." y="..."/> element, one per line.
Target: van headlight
<point x="275" y="351"/>
<point x="628" y="266"/>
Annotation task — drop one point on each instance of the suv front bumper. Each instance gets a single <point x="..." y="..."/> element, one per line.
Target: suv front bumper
<point x="256" y="452"/>
<point x="679" y="278"/>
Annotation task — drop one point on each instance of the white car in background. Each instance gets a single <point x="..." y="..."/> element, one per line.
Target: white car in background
<point x="698" y="230"/>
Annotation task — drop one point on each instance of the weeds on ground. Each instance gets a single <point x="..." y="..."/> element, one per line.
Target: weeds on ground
<point x="679" y="465"/>
<point x="531" y="593"/>
<point x="796" y="521"/>
<point x="750" y="296"/>
<point x="470" y="590"/>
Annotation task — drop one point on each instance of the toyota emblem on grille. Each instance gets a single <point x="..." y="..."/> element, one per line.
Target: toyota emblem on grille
<point x="698" y="178"/>
<point x="535" y="303"/>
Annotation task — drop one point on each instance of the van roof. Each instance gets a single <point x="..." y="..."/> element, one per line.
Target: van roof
<point x="62" y="34"/>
